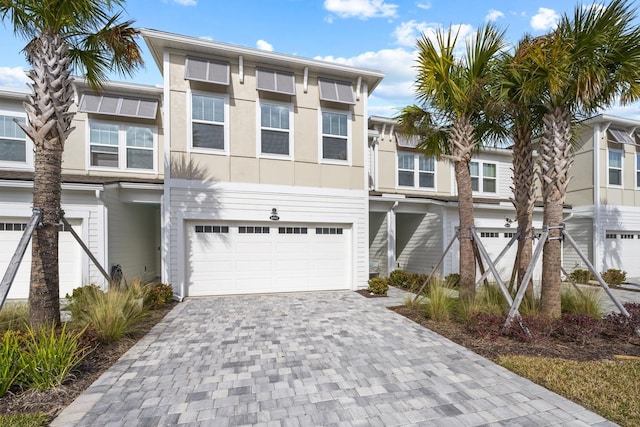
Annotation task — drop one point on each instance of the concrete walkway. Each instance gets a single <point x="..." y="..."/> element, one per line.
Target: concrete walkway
<point x="310" y="359"/>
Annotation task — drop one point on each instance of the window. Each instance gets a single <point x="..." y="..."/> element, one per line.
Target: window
<point x="416" y="170"/>
<point x="610" y="236"/>
<point x="120" y="146"/>
<point x="253" y="230"/>
<point x="489" y="234"/>
<point x="615" y="167"/>
<point x="335" y="135"/>
<point x="483" y="177"/>
<point x="292" y="230"/>
<point x="208" y="122"/>
<point x="212" y="229"/>
<point x="13" y="141"/>
<point x="275" y="129"/>
<point x="626" y="236"/>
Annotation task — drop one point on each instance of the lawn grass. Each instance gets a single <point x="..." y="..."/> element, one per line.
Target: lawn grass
<point x="24" y="420"/>
<point x="608" y="387"/>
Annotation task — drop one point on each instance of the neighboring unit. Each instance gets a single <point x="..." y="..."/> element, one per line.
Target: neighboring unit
<point x="413" y="210"/>
<point x="605" y="195"/>
<point x="112" y="177"/>
<point x="266" y="182"/>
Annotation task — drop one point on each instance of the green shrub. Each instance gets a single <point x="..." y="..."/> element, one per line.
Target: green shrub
<point x="581" y="276"/>
<point x="9" y="361"/>
<point x="398" y="278"/>
<point x="452" y="280"/>
<point x="158" y="295"/>
<point x="49" y="356"/>
<point x="585" y="302"/>
<point x="14" y="316"/>
<point x="112" y="314"/>
<point x="378" y="286"/>
<point x="24" y="420"/>
<point x="614" y="277"/>
<point x="413" y="303"/>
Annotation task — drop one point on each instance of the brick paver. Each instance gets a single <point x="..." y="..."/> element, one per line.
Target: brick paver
<point x="309" y="359"/>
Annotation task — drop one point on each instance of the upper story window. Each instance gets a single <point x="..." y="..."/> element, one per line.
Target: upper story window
<point x="483" y="177"/>
<point x="209" y="122"/>
<point x="336" y="135"/>
<point x="276" y="129"/>
<point x="122" y="146"/>
<point x="416" y="170"/>
<point x="615" y="167"/>
<point x="14" y="146"/>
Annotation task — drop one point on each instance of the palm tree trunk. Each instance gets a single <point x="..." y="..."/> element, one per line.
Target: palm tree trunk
<point x="48" y="126"/>
<point x="556" y="160"/>
<point x="523" y="199"/>
<point x="461" y="137"/>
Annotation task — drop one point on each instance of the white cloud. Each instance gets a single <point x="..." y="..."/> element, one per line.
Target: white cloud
<point x="396" y="90"/>
<point x="407" y="33"/>
<point x="545" y="19"/>
<point x="186" y="2"/>
<point x="13" y="77"/>
<point x="494" y="15"/>
<point x="426" y="5"/>
<point x="363" y="9"/>
<point x="263" y="45"/>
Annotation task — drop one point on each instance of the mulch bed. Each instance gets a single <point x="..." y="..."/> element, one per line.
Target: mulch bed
<point x="603" y="346"/>
<point x="365" y="293"/>
<point x="51" y="402"/>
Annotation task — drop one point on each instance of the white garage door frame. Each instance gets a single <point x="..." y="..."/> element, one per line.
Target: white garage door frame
<point x="70" y="214"/>
<point x="186" y="217"/>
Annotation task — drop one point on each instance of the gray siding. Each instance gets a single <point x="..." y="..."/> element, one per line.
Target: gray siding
<point x="581" y="230"/>
<point x="133" y="230"/>
<point x="378" y="241"/>
<point x="419" y="241"/>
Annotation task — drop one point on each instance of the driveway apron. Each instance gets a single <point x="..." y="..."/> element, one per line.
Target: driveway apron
<point x="309" y="359"/>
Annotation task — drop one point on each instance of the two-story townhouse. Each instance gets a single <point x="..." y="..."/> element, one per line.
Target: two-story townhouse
<point x="265" y="176"/>
<point x="605" y="195"/>
<point x="112" y="175"/>
<point x="413" y="204"/>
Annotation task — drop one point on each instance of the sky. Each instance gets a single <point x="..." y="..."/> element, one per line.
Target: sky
<point x="375" y="34"/>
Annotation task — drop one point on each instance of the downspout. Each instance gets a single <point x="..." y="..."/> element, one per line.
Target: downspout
<point x="105" y="233"/>
<point x="596" y="248"/>
<point x="391" y="239"/>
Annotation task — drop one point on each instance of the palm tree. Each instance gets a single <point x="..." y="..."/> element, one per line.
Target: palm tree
<point x="455" y="102"/>
<point x="63" y="36"/>
<point x="587" y="63"/>
<point x="525" y="118"/>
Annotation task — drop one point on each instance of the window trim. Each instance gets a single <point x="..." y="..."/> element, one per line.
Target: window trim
<point x="122" y="146"/>
<point x="416" y="171"/>
<point x="349" y="137"/>
<point x="190" y="147"/>
<point x="259" y="152"/>
<point x="621" y="168"/>
<point x="481" y="176"/>
<point x="28" y="146"/>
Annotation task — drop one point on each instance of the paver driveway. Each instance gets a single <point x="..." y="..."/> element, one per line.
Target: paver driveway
<point x="327" y="358"/>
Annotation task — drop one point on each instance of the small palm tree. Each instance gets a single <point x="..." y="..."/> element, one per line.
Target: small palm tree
<point x="64" y="36"/>
<point x="453" y="117"/>
<point x="587" y="63"/>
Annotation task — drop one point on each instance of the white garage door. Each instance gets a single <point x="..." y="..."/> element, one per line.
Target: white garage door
<point x="69" y="251"/>
<point x="494" y="241"/>
<point x="242" y="258"/>
<point x="621" y="249"/>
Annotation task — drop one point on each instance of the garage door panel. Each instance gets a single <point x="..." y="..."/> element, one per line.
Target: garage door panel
<point x="69" y="256"/>
<point x="268" y="258"/>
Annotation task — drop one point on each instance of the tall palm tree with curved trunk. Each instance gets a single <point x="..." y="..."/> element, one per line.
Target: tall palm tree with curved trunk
<point x="587" y="63"/>
<point x="453" y="116"/>
<point x="63" y="36"/>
